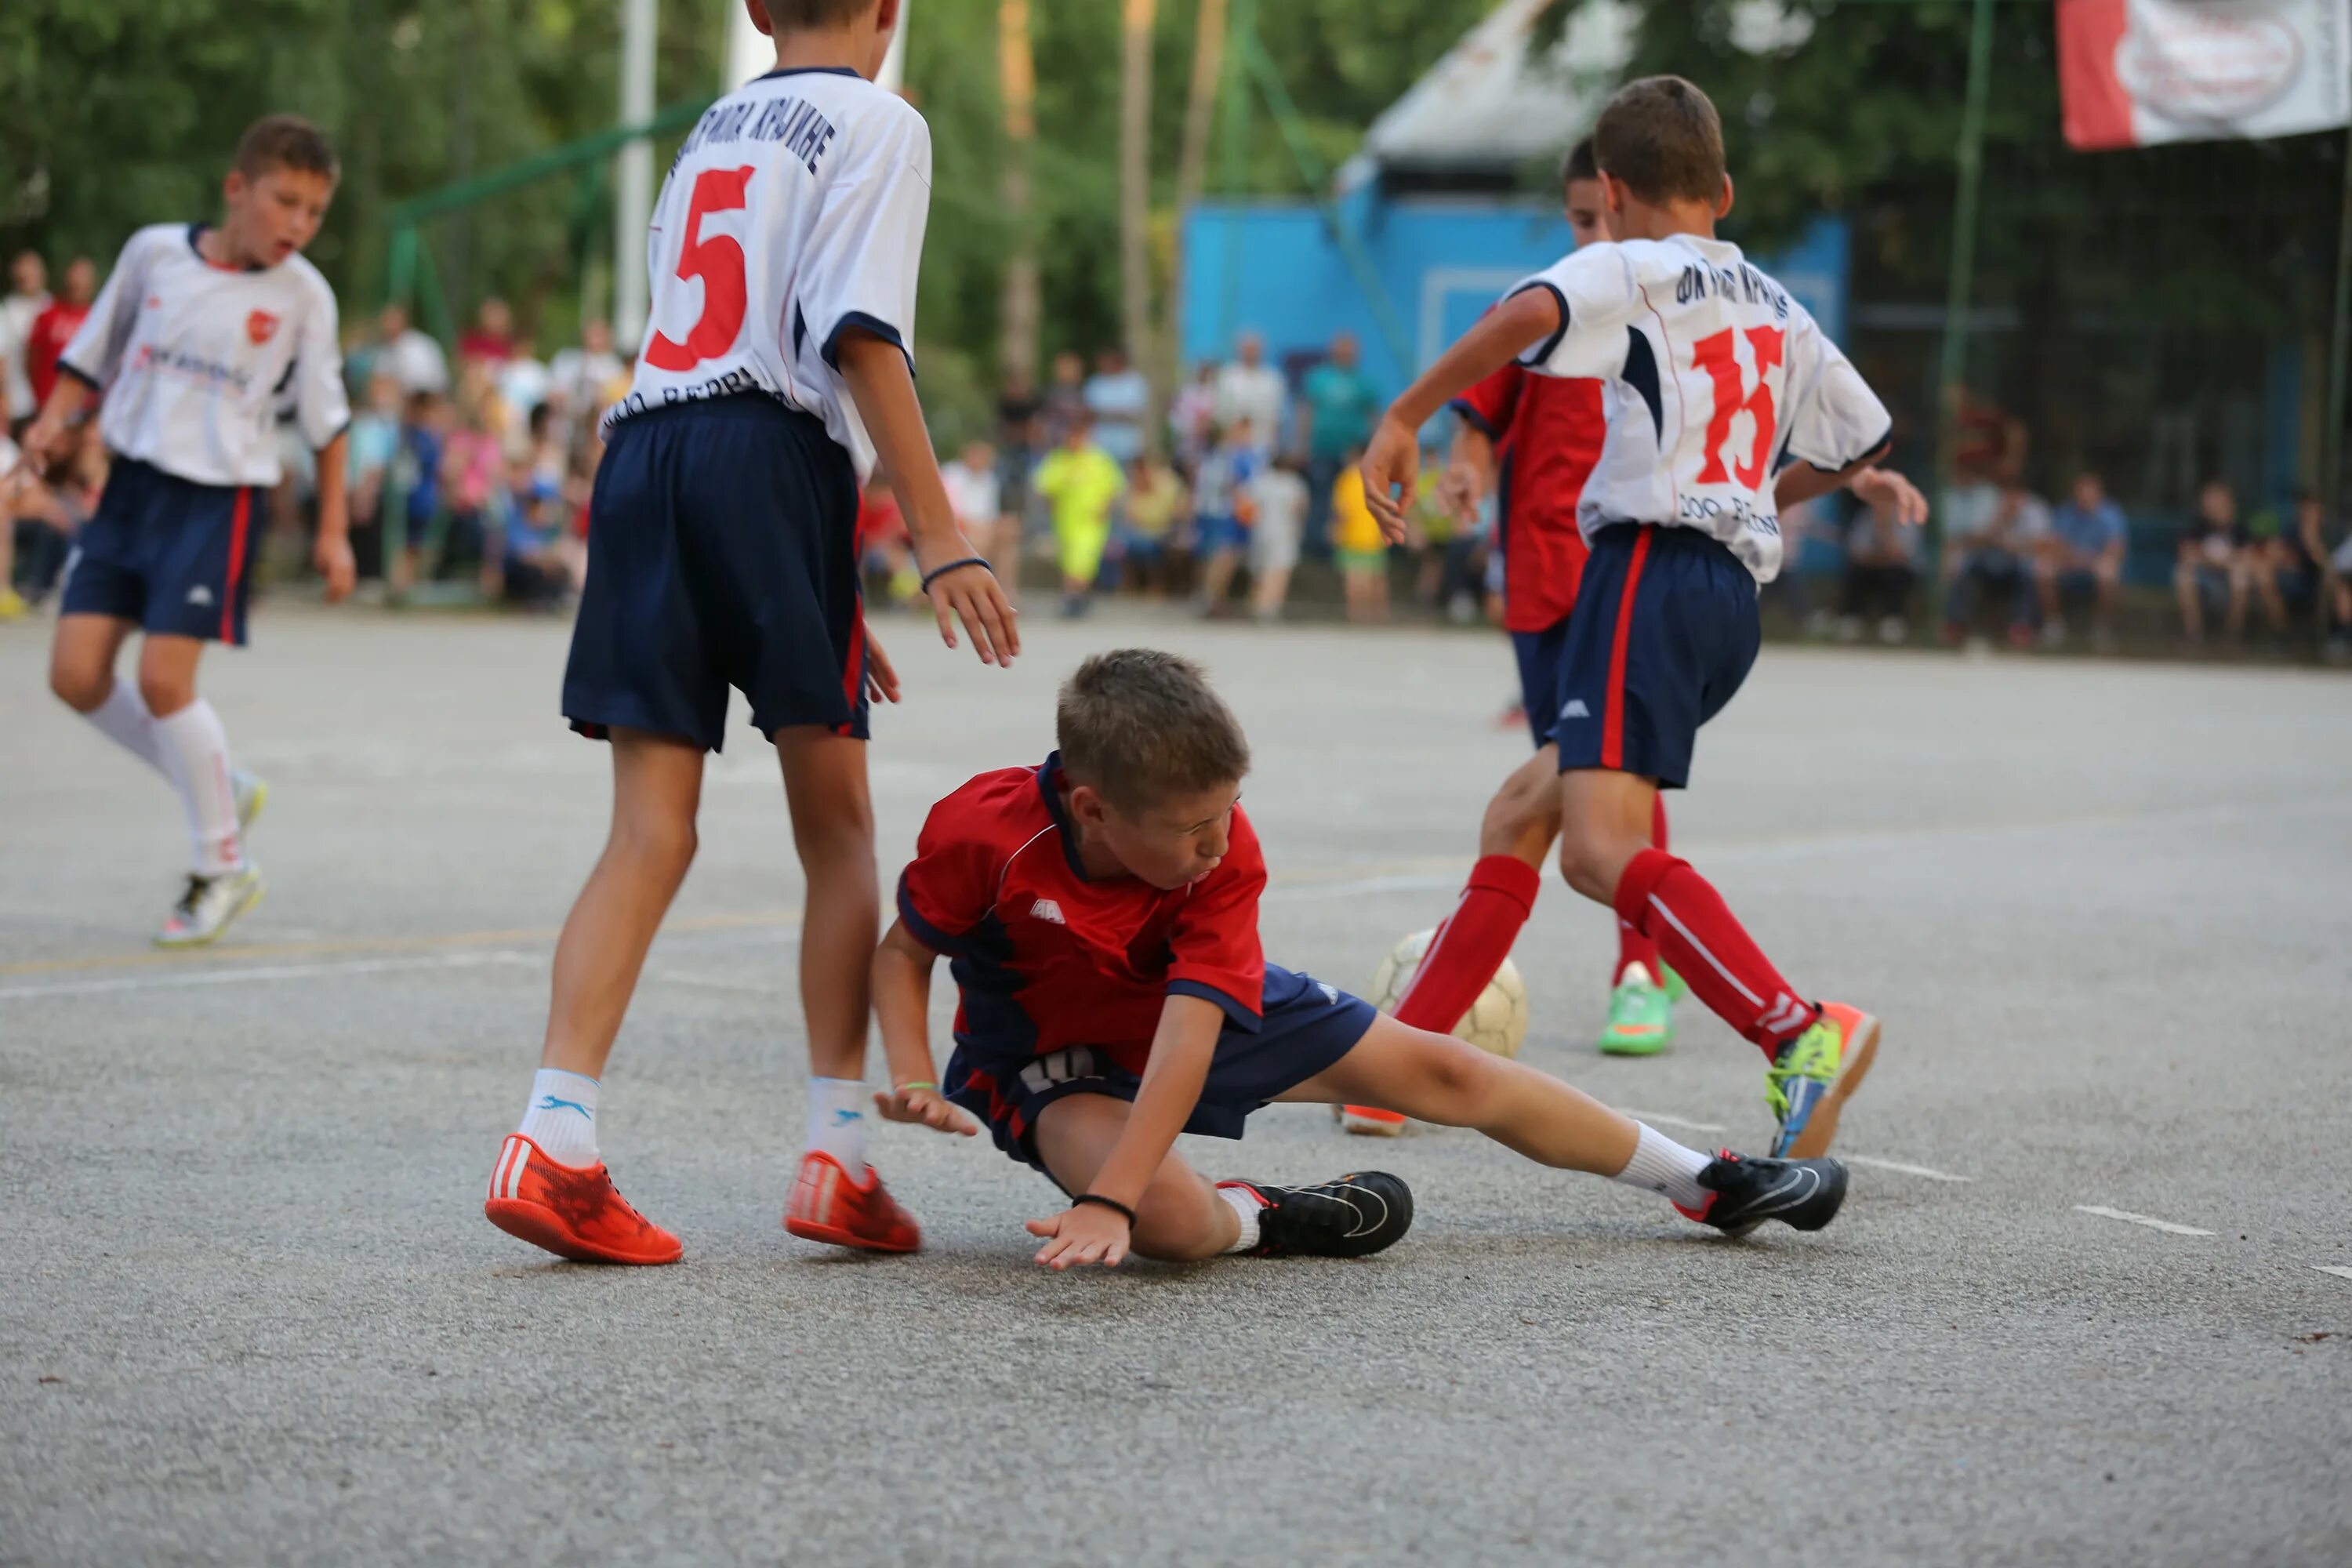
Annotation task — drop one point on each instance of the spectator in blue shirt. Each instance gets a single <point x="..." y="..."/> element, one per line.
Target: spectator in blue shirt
<point x="2081" y="558"/>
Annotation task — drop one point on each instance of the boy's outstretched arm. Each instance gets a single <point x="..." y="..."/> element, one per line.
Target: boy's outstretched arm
<point x="1501" y="334"/>
<point x="1182" y="1048"/>
<point x="883" y="391"/>
<point x="1801" y="482"/>
<point x="902" y="1004"/>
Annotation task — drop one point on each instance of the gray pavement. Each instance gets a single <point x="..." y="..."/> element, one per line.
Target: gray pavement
<point x="249" y="1310"/>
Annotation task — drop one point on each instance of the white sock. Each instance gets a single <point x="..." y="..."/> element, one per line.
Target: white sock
<point x="123" y="719"/>
<point x="1247" y="1204"/>
<point x="836" y="1120"/>
<point x="197" y="748"/>
<point x="561" y="1116"/>
<point x="1662" y="1165"/>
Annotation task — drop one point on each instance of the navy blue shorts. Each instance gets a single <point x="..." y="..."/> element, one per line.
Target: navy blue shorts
<point x="1663" y="631"/>
<point x="1216" y="530"/>
<point x="167" y="552"/>
<point x="722" y="550"/>
<point x="1541" y="659"/>
<point x="1306" y="1026"/>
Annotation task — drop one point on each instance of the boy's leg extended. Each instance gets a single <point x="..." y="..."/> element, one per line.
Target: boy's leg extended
<point x="549" y="1186"/>
<point x="836" y="1196"/>
<point x="1180" y="1217"/>
<point x="1439" y="1078"/>
<point x="656" y="793"/>
<point x="1663" y="634"/>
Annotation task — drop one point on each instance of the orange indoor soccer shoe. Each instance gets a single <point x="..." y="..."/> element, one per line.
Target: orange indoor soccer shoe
<point x="1369" y="1121"/>
<point x="828" y="1205"/>
<point x="573" y="1211"/>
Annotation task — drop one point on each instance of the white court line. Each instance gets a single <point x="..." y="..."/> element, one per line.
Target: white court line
<point x="2336" y="1268"/>
<point x="1907" y="1170"/>
<point x="2104" y="1212"/>
<point x="270" y="973"/>
<point x="1663" y="1120"/>
<point x="712" y="981"/>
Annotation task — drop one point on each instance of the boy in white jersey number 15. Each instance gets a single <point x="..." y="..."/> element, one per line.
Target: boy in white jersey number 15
<point x="1718" y="381"/>
<point x="722" y="550"/>
<point x="198" y="331"/>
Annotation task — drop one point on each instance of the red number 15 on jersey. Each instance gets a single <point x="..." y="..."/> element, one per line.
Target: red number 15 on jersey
<point x="718" y="260"/>
<point x="1715" y="355"/>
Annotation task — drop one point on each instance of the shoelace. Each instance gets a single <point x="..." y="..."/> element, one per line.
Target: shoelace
<point x="194" y="895"/>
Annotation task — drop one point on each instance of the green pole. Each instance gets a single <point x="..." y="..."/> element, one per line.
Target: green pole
<point x="1954" y="372"/>
<point x="1240" y="34"/>
<point x="2339" y="372"/>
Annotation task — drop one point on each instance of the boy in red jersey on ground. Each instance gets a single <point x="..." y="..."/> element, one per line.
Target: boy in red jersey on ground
<point x="1100" y="912"/>
<point x="1717" y="377"/>
<point x="723" y="552"/>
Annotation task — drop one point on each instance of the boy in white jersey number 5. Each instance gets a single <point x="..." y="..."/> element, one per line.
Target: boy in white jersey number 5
<point x="722" y="550"/>
<point x="198" y="332"/>
<point x="1717" y="381"/>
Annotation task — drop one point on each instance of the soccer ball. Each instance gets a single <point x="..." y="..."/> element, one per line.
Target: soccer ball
<point x="1496" y="1022"/>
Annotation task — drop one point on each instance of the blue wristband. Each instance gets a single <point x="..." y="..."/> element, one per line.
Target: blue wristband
<point x="936" y="572"/>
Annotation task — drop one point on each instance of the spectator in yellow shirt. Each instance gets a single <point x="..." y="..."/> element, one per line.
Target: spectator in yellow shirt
<point x="1079" y="480"/>
<point x="1356" y="539"/>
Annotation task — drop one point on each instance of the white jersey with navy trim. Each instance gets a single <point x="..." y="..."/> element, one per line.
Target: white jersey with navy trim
<point x="795" y="210"/>
<point x="1714" y="377"/>
<point x="193" y="359"/>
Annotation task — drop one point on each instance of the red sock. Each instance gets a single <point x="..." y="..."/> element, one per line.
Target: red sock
<point x="1633" y="944"/>
<point x="1472" y="943"/>
<point x="1697" y="932"/>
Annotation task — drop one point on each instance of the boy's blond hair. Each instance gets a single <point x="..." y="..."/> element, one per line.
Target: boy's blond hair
<point x="1140" y="725"/>
<point x="285" y="141"/>
<point x="1661" y="139"/>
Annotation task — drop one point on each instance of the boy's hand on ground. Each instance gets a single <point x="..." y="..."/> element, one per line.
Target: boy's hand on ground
<point x="333" y="558"/>
<point x="972" y="595"/>
<point x="1083" y="1233"/>
<point x="881" y="675"/>
<point x="924" y="1107"/>
<point x="1393" y="460"/>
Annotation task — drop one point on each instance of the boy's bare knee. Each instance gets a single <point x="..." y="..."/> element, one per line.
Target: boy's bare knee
<point x="666" y="842"/>
<point x="164" y="694"/>
<point x="1452" y="1081"/>
<point x="1589" y="866"/>
<point x="83" y="690"/>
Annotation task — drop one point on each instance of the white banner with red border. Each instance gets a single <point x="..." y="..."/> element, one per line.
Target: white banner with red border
<point x="2133" y="73"/>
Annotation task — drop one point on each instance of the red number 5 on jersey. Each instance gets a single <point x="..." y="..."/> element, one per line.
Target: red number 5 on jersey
<point x="718" y="260"/>
<point x="1714" y="354"/>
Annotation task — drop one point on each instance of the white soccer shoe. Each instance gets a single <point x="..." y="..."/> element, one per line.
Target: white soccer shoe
<point x="208" y="906"/>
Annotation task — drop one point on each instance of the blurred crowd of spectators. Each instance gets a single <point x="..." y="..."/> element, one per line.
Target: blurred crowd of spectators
<point x="476" y="467"/>
<point x="1253" y="472"/>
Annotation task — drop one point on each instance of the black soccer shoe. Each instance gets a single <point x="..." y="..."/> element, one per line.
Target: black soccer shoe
<point x="1744" y="1193"/>
<point x="1352" y="1216"/>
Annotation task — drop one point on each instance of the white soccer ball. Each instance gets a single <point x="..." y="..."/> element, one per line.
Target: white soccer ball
<point x="1496" y="1022"/>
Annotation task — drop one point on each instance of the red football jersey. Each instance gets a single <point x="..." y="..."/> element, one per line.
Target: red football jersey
<point x="45" y="344"/>
<point x="1045" y="956"/>
<point x="1547" y="431"/>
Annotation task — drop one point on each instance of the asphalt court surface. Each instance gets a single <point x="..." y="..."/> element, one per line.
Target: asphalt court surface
<point x="2091" y="1300"/>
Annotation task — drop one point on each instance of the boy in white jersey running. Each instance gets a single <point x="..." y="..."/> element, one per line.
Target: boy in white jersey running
<point x="198" y="329"/>
<point x="1713" y="377"/>
<point x="723" y="552"/>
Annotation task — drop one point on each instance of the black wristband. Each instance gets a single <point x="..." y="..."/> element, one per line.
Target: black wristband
<point x="936" y="572"/>
<point x="1113" y="1205"/>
